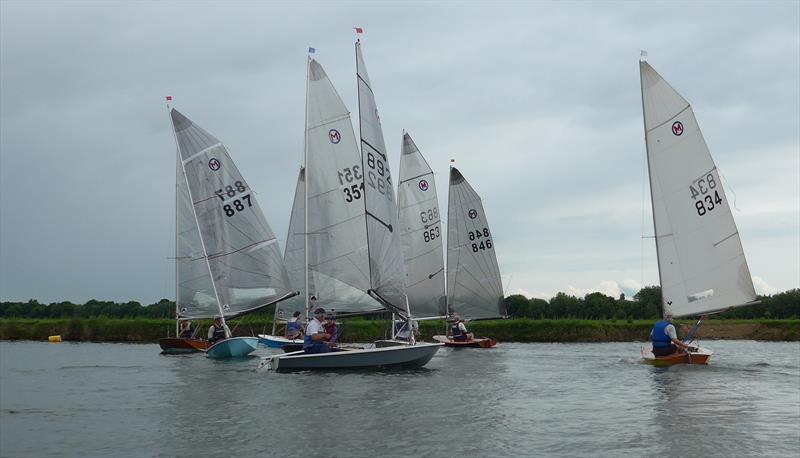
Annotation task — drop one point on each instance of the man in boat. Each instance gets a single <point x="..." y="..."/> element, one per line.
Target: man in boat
<point x="459" y="330"/>
<point x="186" y="329"/>
<point x="665" y="338"/>
<point x="218" y="331"/>
<point x="315" y="339"/>
<point x="293" y="328"/>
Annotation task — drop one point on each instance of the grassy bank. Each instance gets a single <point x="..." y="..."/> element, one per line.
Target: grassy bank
<point x="517" y="330"/>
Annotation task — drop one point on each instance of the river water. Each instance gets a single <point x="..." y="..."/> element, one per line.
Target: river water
<point x="514" y="400"/>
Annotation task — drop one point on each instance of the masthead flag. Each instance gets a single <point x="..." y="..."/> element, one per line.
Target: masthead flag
<point x="359" y="29"/>
<point x="169" y="98"/>
<point x="311" y="50"/>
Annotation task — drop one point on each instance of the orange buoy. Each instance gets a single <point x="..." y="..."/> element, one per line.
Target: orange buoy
<point x="54" y="339"/>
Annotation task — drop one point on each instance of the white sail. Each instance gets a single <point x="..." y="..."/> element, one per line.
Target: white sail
<point x="474" y="286"/>
<point x="421" y="233"/>
<point x="240" y="249"/>
<point x="385" y="256"/>
<point x="195" y="293"/>
<point x="294" y="256"/>
<point x="700" y="258"/>
<point x="339" y="275"/>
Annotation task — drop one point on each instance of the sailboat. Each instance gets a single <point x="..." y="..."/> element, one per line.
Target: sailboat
<point x="421" y="234"/>
<point x="474" y="286"/>
<point x="353" y="259"/>
<point x="228" y="260"/>
<point x="701" y="263"/>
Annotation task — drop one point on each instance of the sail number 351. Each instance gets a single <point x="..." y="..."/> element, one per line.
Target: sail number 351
<point x="706" y="196"/>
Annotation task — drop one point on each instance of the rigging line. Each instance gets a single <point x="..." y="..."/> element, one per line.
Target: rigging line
<point x="641" y="243"/>
<point x="728" y="185"/>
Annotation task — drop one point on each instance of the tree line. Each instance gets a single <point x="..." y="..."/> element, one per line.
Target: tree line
<point x="646" y="304"/>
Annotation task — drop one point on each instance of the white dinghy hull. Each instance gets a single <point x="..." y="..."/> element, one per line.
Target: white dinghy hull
<point x="398" y="356"/>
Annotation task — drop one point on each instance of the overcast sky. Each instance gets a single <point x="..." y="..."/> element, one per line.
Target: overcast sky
<point x="539" y="103"/>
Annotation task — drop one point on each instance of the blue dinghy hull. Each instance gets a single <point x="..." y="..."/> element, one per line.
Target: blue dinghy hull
<point x="235" y="347"/>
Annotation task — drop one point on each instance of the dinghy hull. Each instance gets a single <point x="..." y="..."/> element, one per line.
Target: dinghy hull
<point x="276" y="341"/>
<point x="699" y="356"/>
<point x="396" y="356"/>
<point x="182" y="345"/>
<point x="482" y="342"/>
<point x="235" y="347"/>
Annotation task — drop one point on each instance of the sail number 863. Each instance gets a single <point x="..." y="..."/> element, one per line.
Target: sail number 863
<point x="706" y="196"/>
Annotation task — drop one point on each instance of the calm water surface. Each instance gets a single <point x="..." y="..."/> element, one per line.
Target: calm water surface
<point x="514" y="400"/>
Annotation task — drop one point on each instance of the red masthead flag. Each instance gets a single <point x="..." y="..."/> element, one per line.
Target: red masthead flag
<point x="169" y="98"/>
<point x="359" y="29"/>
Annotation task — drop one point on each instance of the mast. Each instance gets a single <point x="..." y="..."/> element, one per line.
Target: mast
<point x="305" y="191"/>
<point x="177" y="280"/>
<point x="650" y="180"/>
<point x="202" y="241"/>
<point x="361" y="149"/>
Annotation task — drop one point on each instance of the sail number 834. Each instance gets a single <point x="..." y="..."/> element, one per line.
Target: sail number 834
<point x="706" y="197"/>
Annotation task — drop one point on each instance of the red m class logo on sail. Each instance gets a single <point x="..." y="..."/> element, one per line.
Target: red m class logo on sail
<point x="334" y="136"/>
<point x="677" y="128"/>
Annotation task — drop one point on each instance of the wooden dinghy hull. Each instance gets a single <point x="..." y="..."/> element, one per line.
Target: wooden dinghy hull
<point x="482" y="342"/>
<point x="179" y="345"/>
<point x="235" y="347"/>
<point x="697" y="356"/>
<point x="408" y="356"/>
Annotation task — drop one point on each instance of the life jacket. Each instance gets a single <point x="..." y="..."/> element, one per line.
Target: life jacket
<point x="660" y="337"/>
<point x="292" y="328"/>
<point x="219" y="334"/>
<point x="456" y="331"/>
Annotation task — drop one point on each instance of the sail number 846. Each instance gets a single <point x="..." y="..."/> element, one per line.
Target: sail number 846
<point x="479" y="244"/>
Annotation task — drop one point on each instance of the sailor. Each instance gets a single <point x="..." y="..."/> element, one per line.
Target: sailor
<point x="331" y="329"/>
<point x="315" y="338"/>
<point x="186" y="329"/>
<point x="665" y="338"/>
<point x="218" y="331"/>
<point x="459" y="330"/>
<point x="293" y="329"/>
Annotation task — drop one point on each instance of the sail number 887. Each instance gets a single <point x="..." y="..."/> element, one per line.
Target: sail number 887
<point x="706" y="196"/>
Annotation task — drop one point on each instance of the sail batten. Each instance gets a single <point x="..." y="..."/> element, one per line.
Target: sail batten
<point x="702" y="267"/>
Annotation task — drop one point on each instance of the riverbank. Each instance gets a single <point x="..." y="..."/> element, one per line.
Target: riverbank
<point x="358" y="330"/>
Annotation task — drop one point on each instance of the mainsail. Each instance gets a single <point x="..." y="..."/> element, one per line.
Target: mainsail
<point x="294" y="256"/>
<point x="420" y="231"/>
<point x="474" y="287"/>
<point x="338" y="264"/>
<point x="385" y="257"/>
<point x="231" y="238"/>
<point x="700" y="258"/>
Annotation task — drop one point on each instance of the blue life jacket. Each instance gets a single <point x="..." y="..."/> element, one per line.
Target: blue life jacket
<point x="660" y="337"/>
<point x="292" y="328"/>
